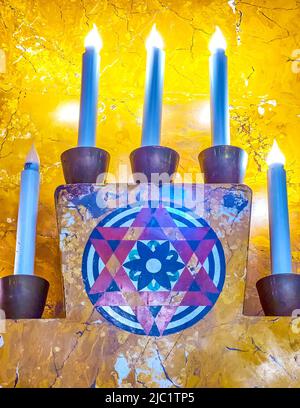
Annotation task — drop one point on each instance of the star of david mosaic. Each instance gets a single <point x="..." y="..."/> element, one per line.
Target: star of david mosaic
<point x="153" y="271"/>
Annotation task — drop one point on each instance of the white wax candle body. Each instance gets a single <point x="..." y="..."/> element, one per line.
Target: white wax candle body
<point x="153" y="97"/>
<point x="281" y="260"/>
<point x="89" y="98"/>
<point x="27" y="219"/>
<point x="219" y="98"/>
<point x="153" y="89"/>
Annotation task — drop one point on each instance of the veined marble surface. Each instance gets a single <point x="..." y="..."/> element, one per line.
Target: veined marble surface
<point x="225" y="209"/>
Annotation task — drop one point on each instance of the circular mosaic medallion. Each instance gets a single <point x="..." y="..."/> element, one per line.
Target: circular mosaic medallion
<point x="153" y="271"/>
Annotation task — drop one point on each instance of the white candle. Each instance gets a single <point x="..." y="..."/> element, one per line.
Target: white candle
<point x="279" y="227"/>
<point x="89" y="89"/>
<point x="153" y="89"/>
<point x="27" y="216"/>
<point x="219" y="90"/>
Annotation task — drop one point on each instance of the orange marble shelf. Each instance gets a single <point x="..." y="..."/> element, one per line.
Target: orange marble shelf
<point x="234" y="351"/>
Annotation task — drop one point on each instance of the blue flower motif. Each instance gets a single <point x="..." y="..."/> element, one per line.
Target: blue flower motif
<point x="154" y="265"/>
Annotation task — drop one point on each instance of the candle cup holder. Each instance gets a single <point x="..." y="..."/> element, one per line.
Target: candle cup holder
<point x="23" y="296"/>
<point x="85" y="165"/>
<point x="224" y="164"/>
<point x="150" y="160"/>
<point x="279" y="294"/>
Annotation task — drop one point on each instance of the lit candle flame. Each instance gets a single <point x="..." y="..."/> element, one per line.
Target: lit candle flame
<point x="275" y="155"/>
<point x="155" y="39"/>
<point x="93" y="39"/>
<point x="32" y="156"/>
<point x="217" y="41"/>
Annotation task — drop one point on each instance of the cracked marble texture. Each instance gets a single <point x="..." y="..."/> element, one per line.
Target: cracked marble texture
<point x="226" y="209"/>
<point x="41" y="43"/>
<point x="258" y="352"/>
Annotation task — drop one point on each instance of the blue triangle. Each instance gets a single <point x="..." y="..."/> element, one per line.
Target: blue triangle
<point x="94" y="297"/>
<point x="96" y="235"/>
<point x="193" y="244"/>
<point x="153" y="223"/>
<point x="154" y="330"/>
<point x="194" y="287"/>
<point x="113" y="244"/>
<point x="154" y="310"/>
<point x="113" y="287"/>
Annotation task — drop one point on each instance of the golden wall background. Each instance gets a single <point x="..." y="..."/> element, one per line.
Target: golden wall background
<point x="40" y="64"/>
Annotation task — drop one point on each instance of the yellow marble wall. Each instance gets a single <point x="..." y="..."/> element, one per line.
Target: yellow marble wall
<point x="41" y="42"/>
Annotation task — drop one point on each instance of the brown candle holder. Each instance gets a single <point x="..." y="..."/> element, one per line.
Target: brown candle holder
<point x="223" y="164"/>
<point x="150" y="160"/>
<point x="23" y="296"/>
<point x="279" y="294"/>
<point x="85" y="165"/>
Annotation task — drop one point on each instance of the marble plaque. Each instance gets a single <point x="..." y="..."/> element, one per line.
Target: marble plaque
<point x="149" y="260"/>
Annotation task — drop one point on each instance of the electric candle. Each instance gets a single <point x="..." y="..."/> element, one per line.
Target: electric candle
<point x="27" y="216"/>
<point x="219" y="90"/>
<point x="153" y="89"/>
<point x="279" y="228"/>
<point x="89" y="89"/>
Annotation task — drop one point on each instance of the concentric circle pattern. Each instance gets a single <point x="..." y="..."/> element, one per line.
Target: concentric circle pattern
<point x="153" y="271"/>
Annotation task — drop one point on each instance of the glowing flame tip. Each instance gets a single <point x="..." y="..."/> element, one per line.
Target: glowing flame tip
<point x="275" y="155"/>
<point x="93" y="39"/>
<point x="217" y="41"/>
<point x="32" y="156"/>
<point x="154" y="39"/>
